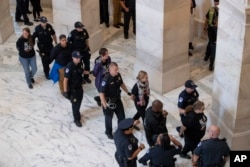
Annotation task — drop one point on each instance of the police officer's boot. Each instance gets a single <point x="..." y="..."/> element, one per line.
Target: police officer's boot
<point x="86" y="78"/>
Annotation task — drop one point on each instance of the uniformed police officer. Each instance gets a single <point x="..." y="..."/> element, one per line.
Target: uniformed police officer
<point x="210" y="24"/>
<point x="162" y="154"/>
<point x="110" y="94"/>
<point x="126" y="144"/>
<point x="212" y="152"/>
<point x="79" y="40"/>
<point x="155" y="121"/>
<point x="45" y="34"/>
<point x="187" y="97"/>
<point x="128" y="7"/>
<point x="72" y="85"/>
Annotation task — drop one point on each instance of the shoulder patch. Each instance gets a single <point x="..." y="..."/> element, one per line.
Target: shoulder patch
<point x="181" y="99"/>
<point x="199" y="144"/>
<point x="130" y="147"/>
<point x="67" y="70"/>
<point x="103" y="83"/>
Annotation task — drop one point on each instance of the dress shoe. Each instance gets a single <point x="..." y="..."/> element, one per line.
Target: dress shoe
<point x="36" y="20"/>
<point x="110" y="136"/>
<point x="116" y="26"/>
<point x="185" y="156"/>
<point x="19" y="20"/>
<point x="190" y="53"/>
<point x="28" y="23"/>
<point x="125" y="36"/>
<point x="120" y="24"/>
<point x="211" y="68"/>
<point x="30" y="86"/>
<point x="190" y="46"/>
<point x="107" y="25"/>
<point x="206" y="58"/>
<point x="32" y="80"/>
<point x="78" y="123"/>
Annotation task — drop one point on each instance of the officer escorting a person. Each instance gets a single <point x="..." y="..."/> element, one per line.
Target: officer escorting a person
<point x="61" y="53"/>
<point x="79" y="40"/>
<point x="110" y="94"/>
<point x="155" y="122"/>
<point x="72" y="85"/>
<point x="100" y="69"/>
<point x="45" y="34"/>
<point x="162" y="154"/>
<point x="211" y="152"/>
<point x="126" y="144"/>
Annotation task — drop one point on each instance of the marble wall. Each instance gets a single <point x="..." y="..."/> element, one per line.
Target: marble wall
<point x="231" y="93"/>
<point x="67" y="12"/>
<point x="162" y="42"/>
<point x="6" y="24"/>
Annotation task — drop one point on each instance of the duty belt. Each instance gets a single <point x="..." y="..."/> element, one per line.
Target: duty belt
<point x="111" y="102"/>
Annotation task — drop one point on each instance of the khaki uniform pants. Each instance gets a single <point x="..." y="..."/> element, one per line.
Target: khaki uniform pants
<point x="61" y="77"/>
<point x="117" y="13"/>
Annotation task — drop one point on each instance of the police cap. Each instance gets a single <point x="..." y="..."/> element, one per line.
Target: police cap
<point x="190" y="84"/>
<point x="76" y="54"/>
<point x="78" y="24"/>
<point x="126" y="124"/>
<point x="43" y="19"/>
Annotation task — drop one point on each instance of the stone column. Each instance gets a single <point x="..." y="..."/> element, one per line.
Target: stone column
<point x="231" y="92"/>
<point x="6" y="24"/>
<point x="67" y="12"/>
<point x="162" y="38"/>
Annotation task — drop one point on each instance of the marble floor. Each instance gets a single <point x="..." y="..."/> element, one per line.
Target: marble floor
<point x="37" y="128"/>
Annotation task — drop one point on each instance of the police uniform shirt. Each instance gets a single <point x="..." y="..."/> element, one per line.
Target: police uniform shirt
<point x="78" y="39"/>
<point x="212" y="151"/>
<point x="110" y="85"/>
<point x="74" y="74"/>
<point x="186" y="99"/>
<point x="125" y="144"/>
<point x="44" y="35"/>
<point x="158" y="156"/>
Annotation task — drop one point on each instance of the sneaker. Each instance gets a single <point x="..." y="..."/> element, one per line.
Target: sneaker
<point x="32" y="80"/>
<point x="136" y="127"/>
<point x="28" y="23"/>
<point x="30" y="86"/>
<point x="185" y="156"/>
<point x="78" y="123"/>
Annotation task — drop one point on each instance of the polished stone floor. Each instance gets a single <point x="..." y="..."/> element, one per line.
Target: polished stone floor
<point x="37" y="128"/>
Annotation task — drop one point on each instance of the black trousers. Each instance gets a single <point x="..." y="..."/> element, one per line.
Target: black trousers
<point x="109" y="112"/>
<point x="36" y="8"/>
<point x="127" y="16"/>
<point x="190" y="144"/>
<point x="44" y="52"/>
<point x="76" y="96"/>
<point x="86" y="59"/>
<point x="140" y="112"/>
<point x="104" y="11"/>
<point x="213" y="52"/>
<point x="124" y="162"/>
<point x="210" y="36"/>
<point x="21" y="10"/>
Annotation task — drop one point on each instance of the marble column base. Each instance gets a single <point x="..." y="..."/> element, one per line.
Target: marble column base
<point x="96" y="40"/>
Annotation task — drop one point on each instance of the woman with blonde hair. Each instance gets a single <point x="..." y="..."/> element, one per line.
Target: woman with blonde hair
<point x="140" y="94"/>
<point x="27" y="56"/>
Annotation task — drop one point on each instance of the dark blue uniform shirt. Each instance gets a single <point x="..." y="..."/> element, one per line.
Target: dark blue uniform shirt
<point x="78" y="39"/>
<point x="44" y="35"/>
<point x="211" y="151"/>
<point x="186" y="99"/>
<point x="110" y="85"/>
<point x="74" y="73"/>
<point x="160" y="157"/>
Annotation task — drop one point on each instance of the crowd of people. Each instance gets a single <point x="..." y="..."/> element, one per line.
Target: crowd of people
<point x="71" y="69"/>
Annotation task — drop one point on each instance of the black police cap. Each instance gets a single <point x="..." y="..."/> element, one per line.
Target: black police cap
<point x="190" y="84"/>
<point x="126" y="123"/>
<point x="78" y="24"/>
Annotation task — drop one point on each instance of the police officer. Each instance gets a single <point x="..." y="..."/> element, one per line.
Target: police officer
<point x="21" y="10"/>
<point x="162" y="154"/>
<point x="187" y="97"/>
<point x="72" y="85"/>
<point x="79" y="40"/>
<point x="45" y="34"/>
<point x="211" y="152"/>
<point x="61" y="53"/>
<point x="155" y="121"/>
<point x="110" y="94"/>
<point x="100" y="69"/>
<point x="126" y="144"/>
<point x="128" y="7"/>
<point x="210" y="25"/>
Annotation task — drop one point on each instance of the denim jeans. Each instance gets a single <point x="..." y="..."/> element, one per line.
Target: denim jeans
<point x="29" y="66"/>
